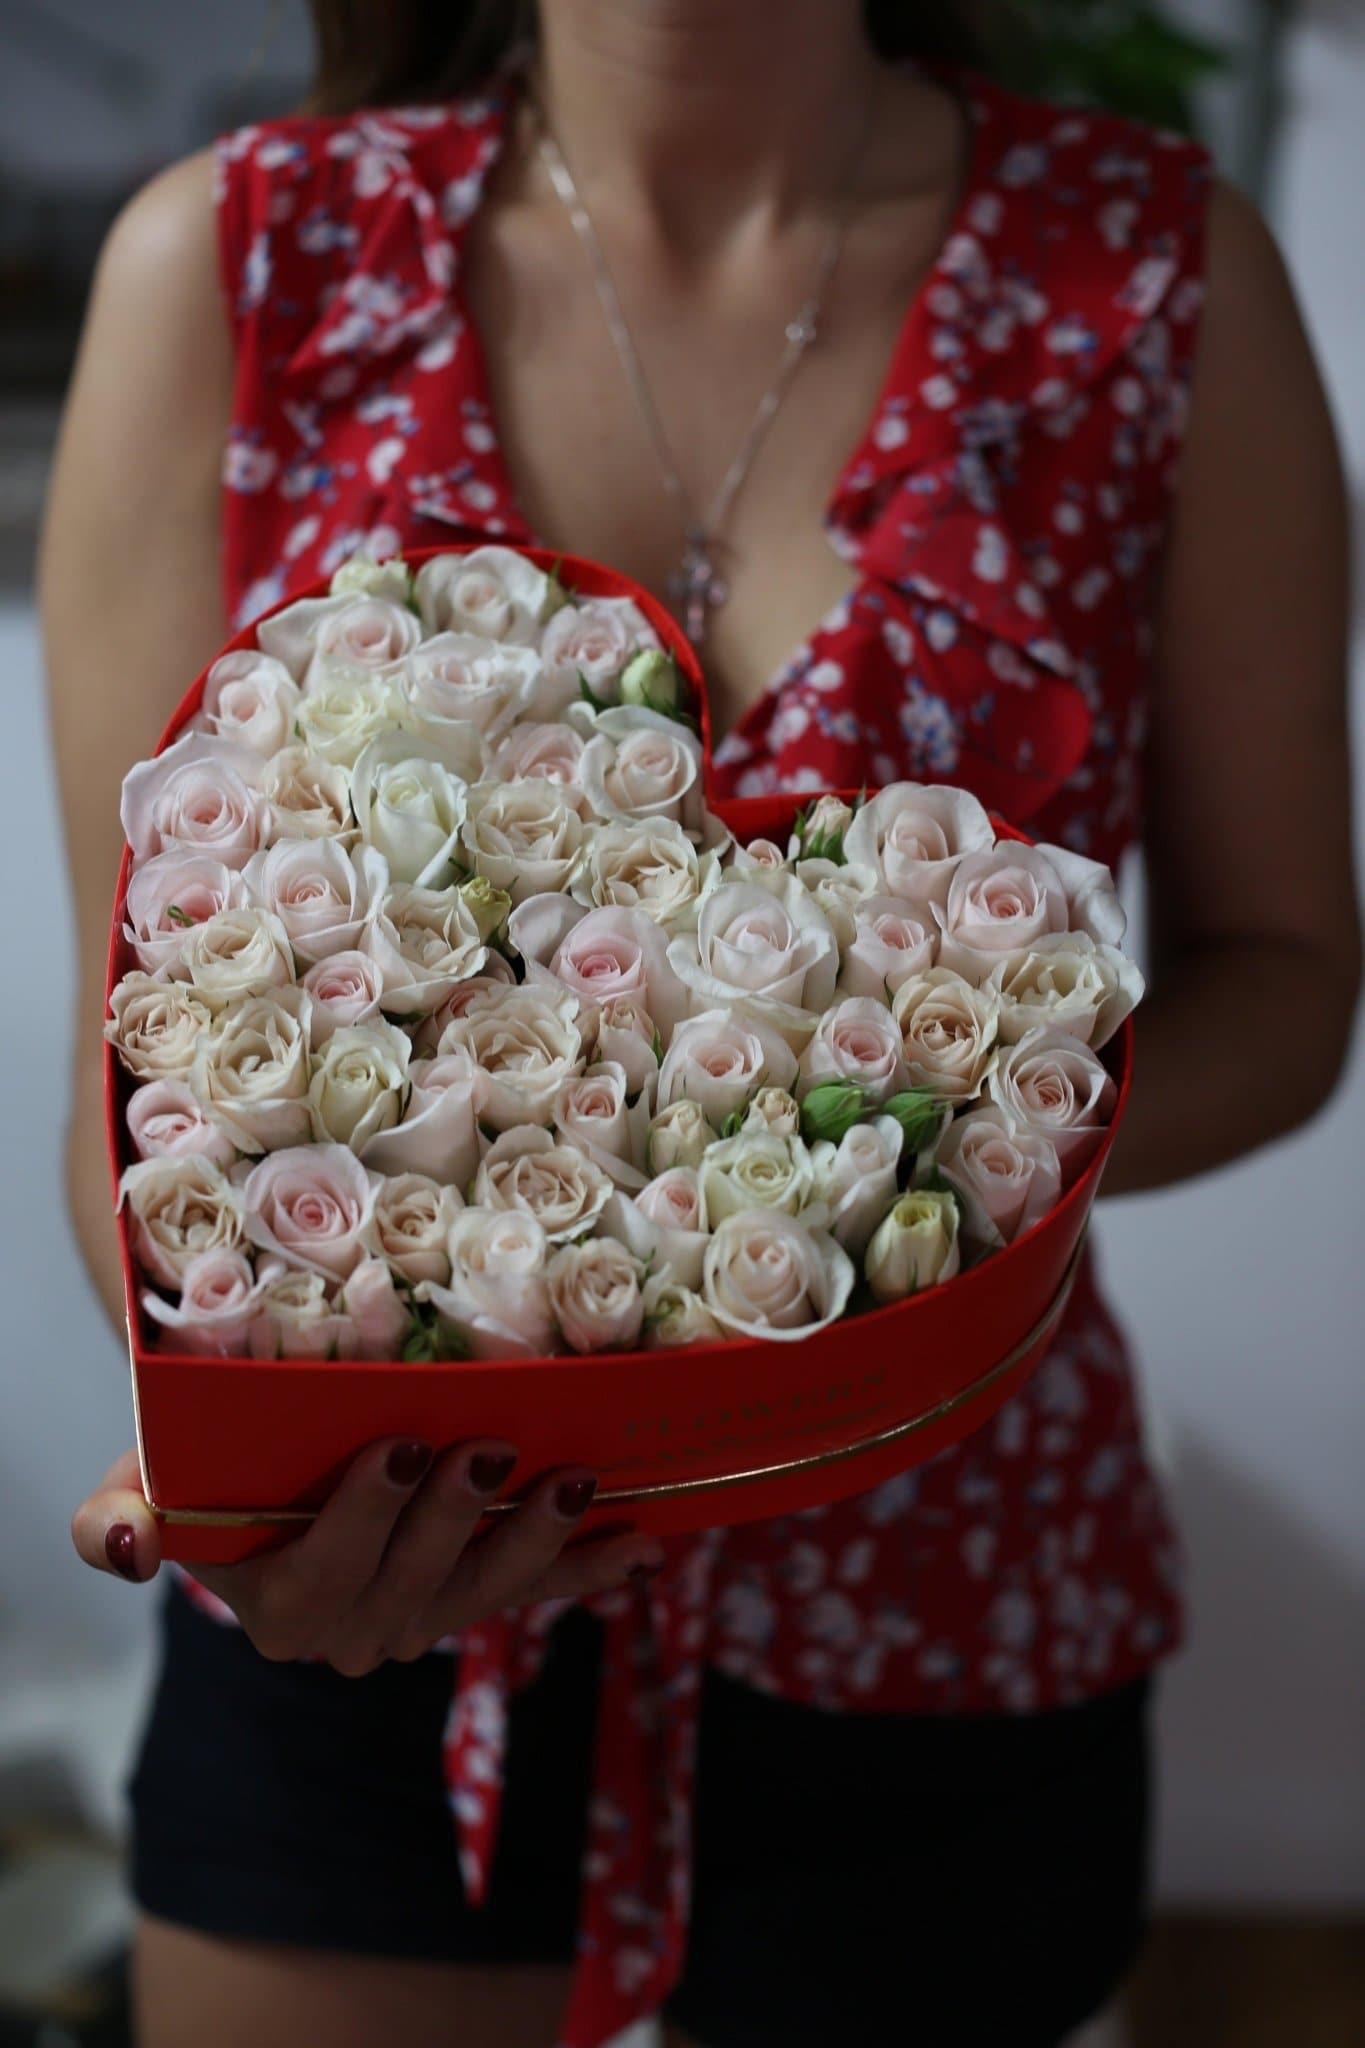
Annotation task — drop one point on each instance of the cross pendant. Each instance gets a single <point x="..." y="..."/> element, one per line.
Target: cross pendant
<point x="696" y="586"/>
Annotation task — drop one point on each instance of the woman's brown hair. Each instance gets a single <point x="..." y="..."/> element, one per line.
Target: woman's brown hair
<point x="382" y="52"/>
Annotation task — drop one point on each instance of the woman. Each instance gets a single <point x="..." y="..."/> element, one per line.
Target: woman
<point x="1051" y="509"/>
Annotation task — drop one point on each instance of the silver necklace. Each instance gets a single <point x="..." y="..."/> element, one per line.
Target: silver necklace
<point x="697" y="584"/>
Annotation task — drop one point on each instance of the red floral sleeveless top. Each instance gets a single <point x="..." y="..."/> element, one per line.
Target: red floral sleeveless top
<point x="1005" y="510"/>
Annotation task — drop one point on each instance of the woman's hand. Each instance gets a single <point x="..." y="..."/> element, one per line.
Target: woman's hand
<point x="392" y="1563"/>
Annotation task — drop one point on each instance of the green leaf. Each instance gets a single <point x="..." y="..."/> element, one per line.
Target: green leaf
<point x="589" y="695"/>
<point x="734" y="1123"/>
<point x="919" y="1112"/>
<point x="177" y="915"/>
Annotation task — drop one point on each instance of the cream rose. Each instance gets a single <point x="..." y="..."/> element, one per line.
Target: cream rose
<point x="891" y="941"/>
<point x="525" y="837"/>
<point x="460" y="691"/>
<point x="166" y="1120"/>
<point x="722" y="1057"/>
<point x="1092" y="900"/>
<point x="756" y="1170"/>
<point x="322" y="895"/>
<point x="1008" y="1175"/>
<point x="525" y="1169"/>
<point x="775" y="1111"/>
<point x="496" y="973"/>
<point x="424" y="942"/>
<point x="167" y="895"/>
<point x="492" y="591"/>
<point x="838" y="891"/>
<point x="914" y="835"/>
<point x="665" y="1225"/>
<point x="1052" y="1084"/>
<point x="762" y="947"/>
<point x="180" y="1208"/>
<point x="345" y="988"/>
<point x="155" y="1026"/>
<point x="523" y="1043"/>
<point x="411" y="1226"/>
<point x="915" y="1245"/>
<point x="534" y="751"/>
<point x="359" y="1084"/>
<point x="498" y="1300"/>
<point x="1066" y="982"/>
<point x="675" y="1315"/>
<point x="252" y="1070"/>
<point x="628" y="1036"/>
<point x="678" y="1136"/>
<point x="376" y="1316"/>
<point x="599" y="954"/>
<point x="340" y="715"/>
<point x="766" y="1275"/>
<point x="308" y="798"/>
<point x="999" y="901"/>
<point x="409" y="808"/>
<point x="858" y="1040"/>
<point x="641" y="766"/>
<point x="764" y="856"/>
<point x="250" y="697"/>
<point x="362" y="576"/>
<point x="237" y="953"/>
<point x="949" y="1033"/>
<point x="593" y="1111"/>
<point x="595" y="1295"/>
<point x="856" y="1180"/>
<point x="203" y="793"/>
<point x="438" y="1136"/>
<point x="654" y="868"/>
<point x="219" y="1299"/>
<point x="312" y="1206"/>
<point x="320" y="637"/>
<point x="297" y="1316"/>
<point x="593" y="639"/>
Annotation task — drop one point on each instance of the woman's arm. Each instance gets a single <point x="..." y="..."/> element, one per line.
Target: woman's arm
<point x="1253" y="918"/>
<point x="129" y="584"/>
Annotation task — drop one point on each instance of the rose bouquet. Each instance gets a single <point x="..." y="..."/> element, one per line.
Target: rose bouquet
<point x="451" y="1028"/>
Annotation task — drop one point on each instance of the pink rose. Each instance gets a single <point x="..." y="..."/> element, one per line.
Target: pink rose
<point x="250" y="697"/>
<point x="322" y="895"/>
<point x="169" y="893"/>
<point x="1008" y="1174"/>
<point x="219" y="1300"/>
<point x="460" y="691"/>
<point x="891" y="941"/>
<point x="376" y="1317"/>
<point x="719" y="1059"/>
<point x="312" y="1206"/>
<point x="595" y="1295"/>
<point x="593" y="1111"/>
<point x="858" y="1040"/>
<point x="495" y="973"/>
<point x="914" y="835"/>
<point x="498" y="1299"/>
<point x="765" y="948"/>
<point x="166" y="1120"/>
<point x="551" y="752"/>
<point x="203" y="793"/>
<point x="664" y="1226"/>
<point x="595" y="640"/>
<point x="639" y="764"/>
<point x="180" y="1207"/>
<point x="599" y="954"/>
<point x="1052" y="1084"/>
<point x="345" y="989"/>
<point x="439" y="1132"/>
<point x="343" y="632"/>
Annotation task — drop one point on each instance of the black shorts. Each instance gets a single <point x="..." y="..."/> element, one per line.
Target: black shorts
<point x="908" y="1881"/>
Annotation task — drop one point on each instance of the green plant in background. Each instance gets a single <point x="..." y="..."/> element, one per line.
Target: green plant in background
<point x="1126" y="54"/>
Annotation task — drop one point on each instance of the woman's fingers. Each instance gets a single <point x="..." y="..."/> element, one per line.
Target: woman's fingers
<point x="115" y="1530"/>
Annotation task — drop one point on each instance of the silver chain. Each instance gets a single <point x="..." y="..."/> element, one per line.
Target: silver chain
<point x="696" y="583"/>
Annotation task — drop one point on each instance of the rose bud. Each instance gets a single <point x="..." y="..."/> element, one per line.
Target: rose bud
<point x="676" y="1315"/>
<point x="678" y="1136"/>
<point x="651" y="678"/>
<point x="831" y="1109"/>
<point x="920" y="1114"/>
<point x="487" y="906"/>
<point x="819" y="833"/>
<point x="774" y="1110"/>
<point x="914" y="1245"/>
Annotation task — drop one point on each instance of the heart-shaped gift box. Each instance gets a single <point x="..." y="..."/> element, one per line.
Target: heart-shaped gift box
<point x="238" y="1453"/>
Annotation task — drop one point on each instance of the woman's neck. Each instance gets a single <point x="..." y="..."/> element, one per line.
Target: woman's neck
<point x="712" y="115"/>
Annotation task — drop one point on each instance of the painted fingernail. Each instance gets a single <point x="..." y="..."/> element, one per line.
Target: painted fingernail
<point x="645" y="1569"/>
<point x="120" y="1547"/>
<point x="489" y="1470"/>
<point x="407" y="1462"/>
<point x="573" y="1497"/>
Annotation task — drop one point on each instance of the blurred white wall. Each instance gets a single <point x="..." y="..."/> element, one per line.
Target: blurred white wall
<point x="1246" y="1292"/>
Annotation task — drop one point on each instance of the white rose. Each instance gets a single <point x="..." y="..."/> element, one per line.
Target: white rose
<point x="219" y="1298"/>
<point x="914" y="834"/>
<point x="359" y="1084"/>
<point x="595" y="1295"/>
<point x="492" y="591"/>
<point x="341" y="715"/>
<point x="250" y="697"/>
<point x="675" y="1315"/>
<point x="203" y="793"/>
<point x="312" y="1207"/>
<point x="678" y="1136"/>
<point x="593" y="1111"/>
<point x="461" y="691"/>
<point x="856" y="1180"/>
<point x="654" y="868"/>
<point x="524" y="1044"/>
<point x="721" y="1058"/>
<point x="424" y="943"/>
<point x="180" y="1207"/>
<point x="308" y="798"/>
<point x="525" y="1169"/>
<point x="915" y="1245"/>
<point x="628" y="1036"/>
<point x="594" y="639"/>
<point x="764" y="855"/>
<point x="411" y="1225"/>
<point x="167" y="895"/>
<point x="238" y="953"/>
<point x="155" y="1026"/>
<point x="757" y="1170"/>
<point x="252" y="1070"/>
<point x="858" y="1040"/>
<point x="1065" y="982"/>
<point x="838" y="891"/>
<point x="639" y="765"/>
<point x="525" y="837"/>
<point x="321" y="894"/>
<point x="820" y="833"/>
<point x="1092" y="900"/>
<point x="775" y="1111"/>
<point x="664" y="1226"/>
<point x="345" y="988"/>
<point x="538" y="752"/>
<point x="320" y="637"/>
<point x="766" y="1275"/>
<point x="999" y="901"/>
<point x="949" y="1032"/>
<point x="362" y="576"/>
<point x="296" y="1315"/>
<point x="599" y="954"/>
<point x="498" y="1300"/>
<point x="166" y="1120"/>
<point x="891" y="941"/>
<point x="762" y="947"/>
<point x="409" y="807"/>
<point x="438" y="1136"/>
<point x="1052" y="1084"/>
<point x="1008" y="1175"/>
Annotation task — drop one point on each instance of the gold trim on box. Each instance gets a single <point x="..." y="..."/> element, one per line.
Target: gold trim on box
<point x="625" y="1496"/>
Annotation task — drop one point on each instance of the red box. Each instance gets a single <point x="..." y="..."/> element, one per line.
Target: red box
<point x="238" y="1453"/>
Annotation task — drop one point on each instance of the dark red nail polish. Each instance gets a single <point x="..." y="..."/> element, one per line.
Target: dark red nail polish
<point x="573" y="1497"/>
<point x="120" y="1547"/>
<point x="642" y="1573"/>
<point x="407" y="1462"/>
<point x="489" y="1470"/>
